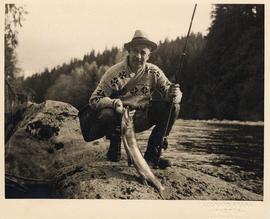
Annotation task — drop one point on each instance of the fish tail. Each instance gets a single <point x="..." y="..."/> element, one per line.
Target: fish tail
<point x="158" y="187"/>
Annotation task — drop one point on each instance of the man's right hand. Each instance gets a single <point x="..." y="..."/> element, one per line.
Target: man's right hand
<point x="118" y="106"/>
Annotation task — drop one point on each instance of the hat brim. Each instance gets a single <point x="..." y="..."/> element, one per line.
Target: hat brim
<point x="149" y="43"/>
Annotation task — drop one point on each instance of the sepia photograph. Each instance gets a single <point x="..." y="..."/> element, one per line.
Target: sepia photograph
<point x="135" y="101"/>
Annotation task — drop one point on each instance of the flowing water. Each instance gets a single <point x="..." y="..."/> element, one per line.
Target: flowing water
<point x="231" y="151"/>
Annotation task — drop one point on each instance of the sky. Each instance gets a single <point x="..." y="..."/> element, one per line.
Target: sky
<point x="56" y="32"/>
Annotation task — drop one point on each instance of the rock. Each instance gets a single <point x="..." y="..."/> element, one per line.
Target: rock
<point x="46" y="142"/>
<point x="104" y="180"/>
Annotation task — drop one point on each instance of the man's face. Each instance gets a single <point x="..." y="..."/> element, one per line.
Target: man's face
<point x="138" y="56"/>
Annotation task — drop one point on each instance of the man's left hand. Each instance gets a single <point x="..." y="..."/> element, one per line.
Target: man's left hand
<point x="175" y="93"/>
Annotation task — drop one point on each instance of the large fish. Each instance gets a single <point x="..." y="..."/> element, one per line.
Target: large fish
<point x="134" y="154"/>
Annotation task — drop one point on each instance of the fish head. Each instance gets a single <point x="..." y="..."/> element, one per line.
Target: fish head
<point x="127" y="118"/>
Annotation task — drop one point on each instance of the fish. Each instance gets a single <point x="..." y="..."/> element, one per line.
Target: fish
<point x="134" y="154"/>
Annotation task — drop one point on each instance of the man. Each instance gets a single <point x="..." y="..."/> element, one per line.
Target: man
<point x="132" y="83"/>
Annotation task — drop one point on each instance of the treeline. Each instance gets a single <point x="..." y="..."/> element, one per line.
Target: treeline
<point x="223" y="74"/>
<point x="74" y="82"/>
<point x="226" y="81"/>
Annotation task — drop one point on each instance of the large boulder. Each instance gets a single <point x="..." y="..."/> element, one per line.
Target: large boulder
<point x="47" y="141"/>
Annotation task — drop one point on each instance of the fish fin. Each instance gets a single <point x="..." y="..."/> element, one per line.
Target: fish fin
<point x="129" y="158"/>
<point x="161" y="194"/>
<point x="130" y="161"/>
<point x="141" y="152"/>
<point x="144" y="181"/>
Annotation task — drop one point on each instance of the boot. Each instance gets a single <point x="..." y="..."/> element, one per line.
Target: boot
<point x="114" y="152"/>
<point x="151" y="156"/>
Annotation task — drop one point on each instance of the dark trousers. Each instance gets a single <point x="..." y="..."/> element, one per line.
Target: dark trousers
<point x="156" y="114"/>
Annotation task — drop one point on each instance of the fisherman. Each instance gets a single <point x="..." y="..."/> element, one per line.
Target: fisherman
<point x="132" y="83"/>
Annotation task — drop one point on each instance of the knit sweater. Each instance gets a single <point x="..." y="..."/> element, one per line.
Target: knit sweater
<point x="134" y="90"/>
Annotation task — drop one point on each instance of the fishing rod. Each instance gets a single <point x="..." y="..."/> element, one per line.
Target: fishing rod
<point x="164" y="143"/>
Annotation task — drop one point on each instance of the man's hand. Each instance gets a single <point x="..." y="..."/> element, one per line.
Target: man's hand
<point x="118" y="106"/>
<point x="175" y="93"/>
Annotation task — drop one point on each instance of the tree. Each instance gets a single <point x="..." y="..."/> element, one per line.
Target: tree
<point x="230" y="70"/>
<point x="15" y="95"/>
<point x="75" y="88"/>
<point x="14" y="15"/>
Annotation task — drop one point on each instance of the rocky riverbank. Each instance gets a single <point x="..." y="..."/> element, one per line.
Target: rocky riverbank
<point x="47" y="158"/>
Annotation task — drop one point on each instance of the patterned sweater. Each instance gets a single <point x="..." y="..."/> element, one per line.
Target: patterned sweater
<point x="135" y="90"/>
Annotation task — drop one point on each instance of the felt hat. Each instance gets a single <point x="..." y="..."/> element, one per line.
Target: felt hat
<point x="140" y="37"/>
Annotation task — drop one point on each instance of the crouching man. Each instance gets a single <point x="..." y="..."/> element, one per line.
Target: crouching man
<point x="132" y="83"/>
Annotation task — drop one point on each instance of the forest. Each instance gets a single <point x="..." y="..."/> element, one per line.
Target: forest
<point x="222" y="76"/>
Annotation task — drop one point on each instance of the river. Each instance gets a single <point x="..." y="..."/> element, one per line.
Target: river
<point x="229" y="150"/>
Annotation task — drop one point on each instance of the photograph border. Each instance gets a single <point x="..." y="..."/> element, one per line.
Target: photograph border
<point x="59" y="208"/>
